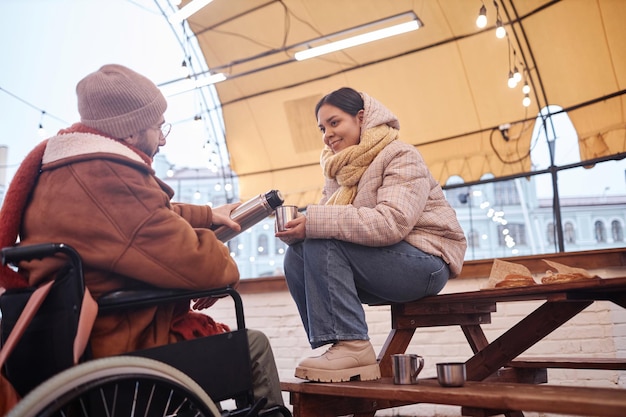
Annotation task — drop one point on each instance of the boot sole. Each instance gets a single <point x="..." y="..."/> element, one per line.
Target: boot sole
<point x="360" y="373"/>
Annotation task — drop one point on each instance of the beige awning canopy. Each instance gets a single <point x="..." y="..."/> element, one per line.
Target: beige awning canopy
<point x="446" y="82"/>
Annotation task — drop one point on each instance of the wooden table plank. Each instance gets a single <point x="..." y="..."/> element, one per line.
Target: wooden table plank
<point x="569" y="363"/>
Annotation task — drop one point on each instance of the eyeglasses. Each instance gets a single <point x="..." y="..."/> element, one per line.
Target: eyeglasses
<point x="165" y="129"/>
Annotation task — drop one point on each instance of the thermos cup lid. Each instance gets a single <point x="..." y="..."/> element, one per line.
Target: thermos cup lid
<point x="274" y="198"/>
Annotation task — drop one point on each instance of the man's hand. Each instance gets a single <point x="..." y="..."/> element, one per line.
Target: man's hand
<point x="221" y="216"/>
<point x="206" y="302"/>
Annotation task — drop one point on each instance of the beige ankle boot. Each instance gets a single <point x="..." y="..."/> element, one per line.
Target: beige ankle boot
<point x="344" y="361"/>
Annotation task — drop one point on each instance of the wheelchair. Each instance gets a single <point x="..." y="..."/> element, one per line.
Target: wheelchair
<point x="161" y="381"/>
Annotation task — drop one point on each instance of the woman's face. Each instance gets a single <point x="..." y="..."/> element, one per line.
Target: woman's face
<point x="339" y="129"/>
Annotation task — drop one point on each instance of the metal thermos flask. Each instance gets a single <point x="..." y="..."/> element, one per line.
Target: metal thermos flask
<point x="250" y="213"/>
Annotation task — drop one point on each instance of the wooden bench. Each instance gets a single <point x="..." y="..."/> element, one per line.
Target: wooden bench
<point x="311" y="399"/>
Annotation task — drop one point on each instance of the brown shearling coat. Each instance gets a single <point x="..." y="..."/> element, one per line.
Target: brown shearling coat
<point x="100" y="197"/>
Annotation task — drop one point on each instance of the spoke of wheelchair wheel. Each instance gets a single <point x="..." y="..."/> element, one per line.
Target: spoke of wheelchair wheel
<point x="82" y="406"/>
<point x="177" y="409"/>
<point x="132" y="411"/>
<point x="167" y="405"/>
<point x="150" y="397"/>
<point x="104" y="400"/>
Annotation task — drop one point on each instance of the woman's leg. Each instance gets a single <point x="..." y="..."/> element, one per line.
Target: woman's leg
<point x="320" y="278"/>
<point x="294" y="275"/>
<point x="397" y="273"/>
<point x="321" y="282"/>
<point x="329" y="279"/>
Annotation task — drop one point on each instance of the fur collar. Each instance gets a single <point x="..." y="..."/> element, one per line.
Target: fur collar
<point x="81" y="143"/>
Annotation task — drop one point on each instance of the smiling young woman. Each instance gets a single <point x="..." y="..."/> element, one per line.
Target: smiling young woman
<point x="382" y="232"/>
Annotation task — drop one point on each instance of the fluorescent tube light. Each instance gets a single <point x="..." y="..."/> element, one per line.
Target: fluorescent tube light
<point x="211" y="79"/>
<point x="357" y="40"/>
<point x="189" y="9"/>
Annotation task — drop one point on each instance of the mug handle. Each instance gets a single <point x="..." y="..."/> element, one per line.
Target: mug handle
<point x="419" y="365"/>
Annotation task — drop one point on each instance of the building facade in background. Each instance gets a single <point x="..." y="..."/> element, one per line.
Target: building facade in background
<point x="501" y="219"/>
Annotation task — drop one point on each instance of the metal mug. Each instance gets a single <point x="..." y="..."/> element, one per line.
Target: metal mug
<point x="451" y="374"/>
<point x="284" y="214"/>
<point x="406" y="368"/>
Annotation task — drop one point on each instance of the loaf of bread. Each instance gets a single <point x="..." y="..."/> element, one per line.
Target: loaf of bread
<point x="515" y="280"/>
<point x="560" y="277"/>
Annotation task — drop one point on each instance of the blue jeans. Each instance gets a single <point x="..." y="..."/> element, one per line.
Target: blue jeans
<point x="330" y="279"/>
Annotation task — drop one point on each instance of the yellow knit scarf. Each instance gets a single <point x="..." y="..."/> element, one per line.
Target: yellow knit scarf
<point x="348" y="166"/>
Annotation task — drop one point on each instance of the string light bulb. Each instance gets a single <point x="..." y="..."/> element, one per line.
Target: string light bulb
<point x="500" y="30"/>
<point x="517" y="75"/>
<point x="526" y="88"/>
<point x="526" y="100"/>
<point x="511" y="82"/>
<point x="481" y="20"/>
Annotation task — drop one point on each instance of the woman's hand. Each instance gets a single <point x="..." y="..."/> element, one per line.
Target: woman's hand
<point x="296" y="230"/>
<point x="221" y="216"/>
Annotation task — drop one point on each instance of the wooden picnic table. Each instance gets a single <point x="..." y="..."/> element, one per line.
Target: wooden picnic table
<point x="495" y="364"/>
<point x="471" y="310"/>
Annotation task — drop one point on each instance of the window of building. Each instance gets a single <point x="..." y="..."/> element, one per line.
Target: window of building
<point x="569" y="234"/>
<point x="599" y="231"/>
<point x="617" y="231"/>
<point x="473" y="239"/>
<point x="550" y="233"/>
<point x="505" y="193"/>
<point x="512" y="234"/>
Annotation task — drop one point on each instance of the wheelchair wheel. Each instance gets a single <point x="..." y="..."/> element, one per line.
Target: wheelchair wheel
<point x="117" y="386"/>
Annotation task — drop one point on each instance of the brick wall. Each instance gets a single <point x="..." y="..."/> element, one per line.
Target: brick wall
<point x="600" y="331"/>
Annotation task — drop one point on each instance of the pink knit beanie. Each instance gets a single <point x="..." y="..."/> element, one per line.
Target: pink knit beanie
<point x="119" y="102"/>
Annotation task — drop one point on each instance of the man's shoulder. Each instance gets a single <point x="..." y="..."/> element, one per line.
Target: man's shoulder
<point x="86" y="145"/>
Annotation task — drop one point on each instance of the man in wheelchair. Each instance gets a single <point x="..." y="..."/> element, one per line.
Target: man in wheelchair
<point x="92" y="187"/>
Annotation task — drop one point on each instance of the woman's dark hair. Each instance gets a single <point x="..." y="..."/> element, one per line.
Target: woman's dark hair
<point x="346" y="99"/>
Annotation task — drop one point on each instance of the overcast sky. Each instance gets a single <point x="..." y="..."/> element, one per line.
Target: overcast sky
<point x="47" y="46"/>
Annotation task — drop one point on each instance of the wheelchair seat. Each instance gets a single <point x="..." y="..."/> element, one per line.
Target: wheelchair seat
<point x="227" y="377"/>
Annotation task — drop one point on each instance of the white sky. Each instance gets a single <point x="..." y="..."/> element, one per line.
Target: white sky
<point x="47" y="46"/>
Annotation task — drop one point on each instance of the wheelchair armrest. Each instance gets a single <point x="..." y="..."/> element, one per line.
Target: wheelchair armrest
<point x="116" y="300"/>
<point x="12" y="255"/>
